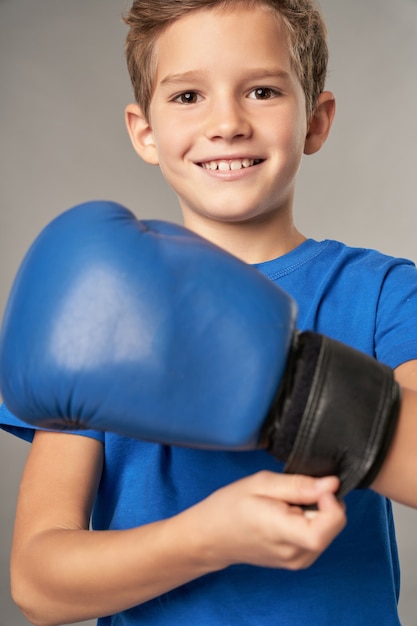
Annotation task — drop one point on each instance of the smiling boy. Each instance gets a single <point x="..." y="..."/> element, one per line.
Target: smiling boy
<point x="228" y="124"/>
<point x="230" y="96"/>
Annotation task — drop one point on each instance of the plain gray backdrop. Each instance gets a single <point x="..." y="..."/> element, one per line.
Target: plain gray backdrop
<point x="63" y="89"/>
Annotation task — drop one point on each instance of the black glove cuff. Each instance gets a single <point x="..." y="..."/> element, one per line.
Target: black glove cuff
<point x="336" y="413"/>
<point x="284" y="418"/>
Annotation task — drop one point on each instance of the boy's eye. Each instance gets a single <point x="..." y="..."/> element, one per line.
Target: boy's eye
<point x="188" y="97"/>
<point x="263" y="93"/>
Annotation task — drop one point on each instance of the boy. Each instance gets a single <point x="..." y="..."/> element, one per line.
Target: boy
<point x="229" y="96"/>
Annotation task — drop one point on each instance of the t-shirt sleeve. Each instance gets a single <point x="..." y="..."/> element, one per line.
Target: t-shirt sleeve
<point x="13" y="425"/>
<point x="396" y="323"/>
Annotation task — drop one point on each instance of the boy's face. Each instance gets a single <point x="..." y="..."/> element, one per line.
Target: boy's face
<point x="227" y="120"/>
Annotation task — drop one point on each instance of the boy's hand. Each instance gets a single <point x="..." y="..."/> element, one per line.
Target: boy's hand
<point x="259" y="520"/>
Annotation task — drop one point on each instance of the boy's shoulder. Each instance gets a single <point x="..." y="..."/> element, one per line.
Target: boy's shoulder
<point x="369" y="256"/>
<point x="359" y="273"/>
<point x="316" y="259"/>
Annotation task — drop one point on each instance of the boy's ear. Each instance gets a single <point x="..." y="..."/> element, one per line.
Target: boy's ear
<point x="320" y="123"/>
<point x="141" y="134"/>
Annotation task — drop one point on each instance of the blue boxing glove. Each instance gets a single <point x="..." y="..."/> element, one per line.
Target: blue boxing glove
<point x="145" y="329"/>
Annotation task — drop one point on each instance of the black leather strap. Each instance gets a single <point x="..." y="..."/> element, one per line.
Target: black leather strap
<point x="335" y="414"/>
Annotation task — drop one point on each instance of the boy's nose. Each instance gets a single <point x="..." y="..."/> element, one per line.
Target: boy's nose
<point x="228" y="121"/>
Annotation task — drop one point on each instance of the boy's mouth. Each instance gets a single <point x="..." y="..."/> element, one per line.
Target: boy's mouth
<point x="228" y="165"/>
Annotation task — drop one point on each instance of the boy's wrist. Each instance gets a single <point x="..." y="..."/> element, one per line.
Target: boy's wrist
<point x="191" y="535"/>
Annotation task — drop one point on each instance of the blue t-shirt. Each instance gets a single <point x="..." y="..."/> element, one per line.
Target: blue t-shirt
<point x="357" y="296"/>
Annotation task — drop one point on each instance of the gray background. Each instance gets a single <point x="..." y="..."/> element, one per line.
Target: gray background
<point x="63" y="88"/>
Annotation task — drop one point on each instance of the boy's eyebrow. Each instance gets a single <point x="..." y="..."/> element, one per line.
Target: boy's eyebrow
<point x="253" y="74"/>
<point x="181" y="77"/>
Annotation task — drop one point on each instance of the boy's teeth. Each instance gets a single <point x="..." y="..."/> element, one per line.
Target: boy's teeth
<point x="225" y="166"/>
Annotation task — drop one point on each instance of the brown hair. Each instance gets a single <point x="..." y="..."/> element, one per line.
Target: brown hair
<point x="302" y="19"/>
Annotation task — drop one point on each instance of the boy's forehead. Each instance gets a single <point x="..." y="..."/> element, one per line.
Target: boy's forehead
<point x="235" y="14"/>
<point x="220" y="31"/>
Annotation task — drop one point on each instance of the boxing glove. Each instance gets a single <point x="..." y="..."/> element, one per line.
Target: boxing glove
<point x="145" y="329"/>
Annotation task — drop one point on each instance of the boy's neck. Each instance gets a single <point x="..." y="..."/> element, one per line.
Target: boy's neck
<point x="252" y="242"/>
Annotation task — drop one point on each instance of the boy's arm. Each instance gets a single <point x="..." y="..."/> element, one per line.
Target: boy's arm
<point x="64" y="572"/>
<point x="397" y="478"/>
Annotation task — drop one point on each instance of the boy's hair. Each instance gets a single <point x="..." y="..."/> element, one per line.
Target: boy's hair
<point x="302" y="19"/>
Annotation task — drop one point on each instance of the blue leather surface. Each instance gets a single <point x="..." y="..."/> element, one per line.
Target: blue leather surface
<point x="142" y="328"/>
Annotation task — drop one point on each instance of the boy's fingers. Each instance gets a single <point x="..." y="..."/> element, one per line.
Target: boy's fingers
<point x="294" y="488"/>
<point x="315" y="530"/>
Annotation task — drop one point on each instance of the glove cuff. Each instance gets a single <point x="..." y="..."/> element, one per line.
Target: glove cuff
<point x="336" y="413"/>
<point x="285" y="415"/>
